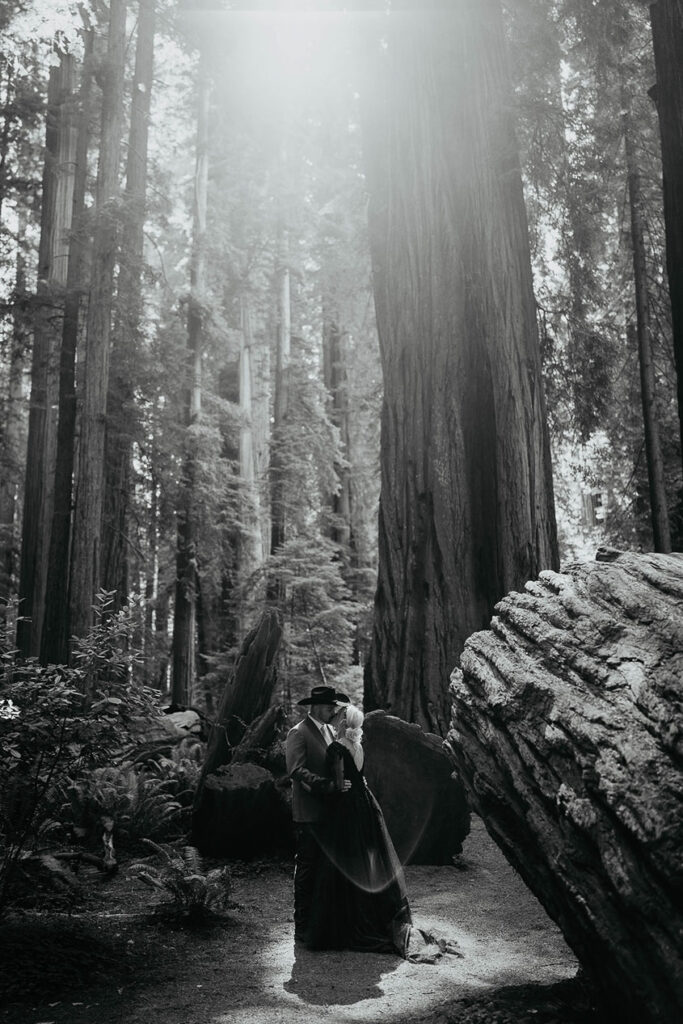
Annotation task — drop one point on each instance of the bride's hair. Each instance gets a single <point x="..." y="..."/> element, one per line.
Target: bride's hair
<point x="353" y="723"/>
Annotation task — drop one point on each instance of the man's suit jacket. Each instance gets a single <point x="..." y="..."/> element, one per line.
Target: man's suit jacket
<point x="306" y="751"/>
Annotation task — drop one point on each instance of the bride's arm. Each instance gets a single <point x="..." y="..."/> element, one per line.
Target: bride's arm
<point x="336" y="766"/>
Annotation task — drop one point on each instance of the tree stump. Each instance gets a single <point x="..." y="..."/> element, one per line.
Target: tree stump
<point x="568" y="733"/>
<point x="245" y="702"/>
<point x="412" y="775"/>
<point x="249" y="691"/>
<point x="244" y="814"/>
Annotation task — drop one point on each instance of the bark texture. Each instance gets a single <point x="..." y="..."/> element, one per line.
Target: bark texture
<point x="248" y="692"/>
<point x="466" y="509"/>
<point x="86" y="559"/>
<point x="666" y="18"/>
<point x="567" y="730"/>
<point x="659" y="517"/>
<point x="185" y="604"/>
<point x="54" y="645"/>
<point x="239" y="810"/>
<point x="121" y="409"/>
<point x="55" y="223"/>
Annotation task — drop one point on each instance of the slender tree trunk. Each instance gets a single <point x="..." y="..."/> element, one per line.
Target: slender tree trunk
<point x="55" y="632"/>
<point x="58" y="181"/>
<point x="85" y="564"/>
<point x="12" y="429"/>
<point x="653" y="452"/>
<point x="8" y="118"/>
<point x="120" y="400"/>
<point x="666" y="17"/>
<point x="184" y="615"/>
<point x="466" y="507"/>
<point x="335" y="342"/>
<point x="278" y="515"/>
<point x="251" y="547"/>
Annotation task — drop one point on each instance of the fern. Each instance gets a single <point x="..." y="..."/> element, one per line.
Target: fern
<point x="196" y="894"/>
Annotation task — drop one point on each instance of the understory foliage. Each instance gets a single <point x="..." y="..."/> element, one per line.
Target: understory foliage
<point x="62" y="732"/>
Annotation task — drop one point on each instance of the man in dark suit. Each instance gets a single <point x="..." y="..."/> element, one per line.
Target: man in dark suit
<point x="312" y="786"/>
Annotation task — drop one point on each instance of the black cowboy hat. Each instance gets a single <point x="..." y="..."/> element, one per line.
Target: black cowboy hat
<point x="325" y="695"/>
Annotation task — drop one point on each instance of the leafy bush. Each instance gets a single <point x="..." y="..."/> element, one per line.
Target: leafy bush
<point x="57" y="724"/>
<point x="196" y="894"/>
<point x="138" y="803"/>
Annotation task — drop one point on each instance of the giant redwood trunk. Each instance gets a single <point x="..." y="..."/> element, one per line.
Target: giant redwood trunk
<point x="667" y="35"/>
<point x="55" y="223"/>
<point x="86" y="551"/>
<point x="567" y="734"/>
<point x="466" y="507"/>
<point x="121" y="416"/>
<point x="54" y="645"/>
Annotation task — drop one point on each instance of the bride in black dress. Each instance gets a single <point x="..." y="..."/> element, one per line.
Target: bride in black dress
<point x="360" y="900"/>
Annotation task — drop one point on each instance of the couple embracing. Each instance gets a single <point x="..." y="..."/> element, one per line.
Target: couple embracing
<point x="349" y="886"/>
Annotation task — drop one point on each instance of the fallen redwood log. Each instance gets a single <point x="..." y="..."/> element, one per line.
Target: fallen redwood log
<point x="567" y="728"/>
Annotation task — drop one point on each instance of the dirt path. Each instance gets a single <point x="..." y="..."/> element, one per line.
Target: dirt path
<point x="250" y="973"/>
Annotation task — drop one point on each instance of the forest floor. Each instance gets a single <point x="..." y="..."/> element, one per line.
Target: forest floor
<point x="129" y="969"/>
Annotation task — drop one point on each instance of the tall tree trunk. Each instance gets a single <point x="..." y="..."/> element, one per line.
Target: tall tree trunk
<point x="666" y="18"/>
<point x="55" y="223"/>
<point x="251" y="547"/>
<point x="8" y="118"/>
<point x="278" y="515"/>
<point x="184" y="613"/>
<point x="653" y="452"/>
<point x="120" y="400"/>
<point x="466" y="506"/>
<point x="54" y="645"/>
<point x="335" y="341"/>
<point x="85" y="563"/>
<point x="12" y="428"/>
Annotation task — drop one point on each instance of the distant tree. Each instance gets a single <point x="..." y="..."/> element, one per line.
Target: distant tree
<point x="185" y="603"/>
<point x="667" y="34"/>
<point x="653" y="449"/>
<point x="87" y="534"/>
<point x="56" y="209"/>
<point x="121" y="415"/>
<point x="54" y="645"/>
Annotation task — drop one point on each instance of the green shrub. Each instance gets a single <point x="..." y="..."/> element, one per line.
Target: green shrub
<point x="58" y="724"/>
<point x="196" y="894"/>
<point x="138" y="804"/>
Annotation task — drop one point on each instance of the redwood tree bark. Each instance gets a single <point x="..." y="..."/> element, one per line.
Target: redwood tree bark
<point x="54" y="644"/>
<point x="185" y="606"/>
<point x="281" y="398"/>
<point x="85" y="563"/>
<point x="12" y="429"/>
<point x="667" y="35"/>
<point x="120" y="400"/>
<point x="659" y="517"/>
<point x="466" y="507"/>
<point x="55" y="223"/>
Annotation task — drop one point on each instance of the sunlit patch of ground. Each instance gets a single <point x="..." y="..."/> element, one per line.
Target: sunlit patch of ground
<point x="249" y="971"/>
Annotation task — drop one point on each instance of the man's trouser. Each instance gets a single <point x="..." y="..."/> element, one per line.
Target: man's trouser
<point x="309" y="853"/>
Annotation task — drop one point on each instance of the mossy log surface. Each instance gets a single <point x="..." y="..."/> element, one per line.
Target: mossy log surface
<point x="567" y="729"/>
